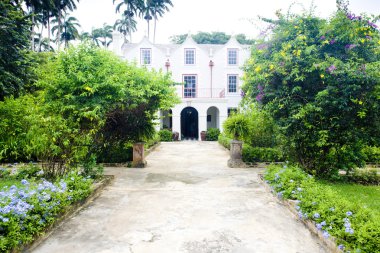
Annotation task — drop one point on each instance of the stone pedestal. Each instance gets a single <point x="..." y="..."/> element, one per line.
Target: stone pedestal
<point x="236" y="155"/>
<point x="138" y="155"/>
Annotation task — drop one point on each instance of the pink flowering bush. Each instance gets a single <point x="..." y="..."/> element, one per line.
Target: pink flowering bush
<point x="319" y="79"/>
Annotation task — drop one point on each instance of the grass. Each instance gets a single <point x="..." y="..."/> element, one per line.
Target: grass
<point x="364" y="195"/>
<point x="9" y="182"/>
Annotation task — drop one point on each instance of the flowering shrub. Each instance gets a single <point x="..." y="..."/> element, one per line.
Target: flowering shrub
<point x="319" y="80"/>
<point x="354" y="227"/>
<point x="27" y="209"/>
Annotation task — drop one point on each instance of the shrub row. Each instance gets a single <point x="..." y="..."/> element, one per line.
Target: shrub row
<point x="212" y="134"/>
<point x="34" y="204"/>
<point x="165" y="135"/>
<point x="259" y="154"/>
<point x="255" y="154"/>
<point x="363" y="176"/>
<point x="354" y="227"/>
<point x="372" y="154"/>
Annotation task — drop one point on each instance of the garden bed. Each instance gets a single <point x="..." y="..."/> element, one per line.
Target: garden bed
<point x="69" y="212"/>
<point x="352" y="225"/>
<point x="329" y="243"/>
<point x="31" y="207"/>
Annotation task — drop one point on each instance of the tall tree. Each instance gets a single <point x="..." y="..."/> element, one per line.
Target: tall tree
<point x="92" y="36"/>
<point x="132" y="8"/>
<point x="60" y="8"/>
<point x="126" y="26"/>
<point x="159" y="8"/>
<point x="105" y="33"/>
<point x="66" y="29"/>
<point x="14" y="42"/>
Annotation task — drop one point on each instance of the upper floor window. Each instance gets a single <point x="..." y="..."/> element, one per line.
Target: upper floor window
<point x="146" y="56"/>
<point x="232" y="83"/>
<point x="232" y="55"/>
<point x="189" y="56"/>
<point x="190" y="86"/>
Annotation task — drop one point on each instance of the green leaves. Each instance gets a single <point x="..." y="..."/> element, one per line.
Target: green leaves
<point x="15" y="63"/>
<point x="317" y="78"/>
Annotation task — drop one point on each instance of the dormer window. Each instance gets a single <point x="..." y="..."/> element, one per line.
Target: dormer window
<point x="146" y="56"/>
<point x="232" y="56"/>
<point x="189" y="56"/>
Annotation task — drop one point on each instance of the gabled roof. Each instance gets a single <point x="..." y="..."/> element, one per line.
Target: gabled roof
<point x="189" y="41"/>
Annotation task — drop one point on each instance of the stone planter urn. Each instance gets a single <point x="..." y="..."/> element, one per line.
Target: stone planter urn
<point x="138" y="155"/>
<point x="175" y="136"/>
<point x="203" y="135"/>
<point x="236" y="155"/>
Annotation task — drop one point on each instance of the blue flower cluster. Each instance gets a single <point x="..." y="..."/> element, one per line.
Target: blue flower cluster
<point x="284" y="187"/>
<point x="17" y="202"/>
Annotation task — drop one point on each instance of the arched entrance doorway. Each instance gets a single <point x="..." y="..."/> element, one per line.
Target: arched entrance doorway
<point x="189" y="123"/>
<point x="212" y="117"/>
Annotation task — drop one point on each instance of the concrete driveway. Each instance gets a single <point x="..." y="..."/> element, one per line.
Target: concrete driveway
<point x="186" y="200"/>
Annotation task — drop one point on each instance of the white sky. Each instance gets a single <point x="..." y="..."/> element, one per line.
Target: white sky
<point x="232" y="17"/>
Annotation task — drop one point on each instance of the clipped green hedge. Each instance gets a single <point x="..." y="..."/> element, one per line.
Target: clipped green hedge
<point x="356" y="228"/>
<point x="255" y="154"/>
<point x="165" y="135"/>
<point x="259" y="154"/>
<point x="372" y="154"/>
<point x="212" y="134"/>
<point x="224" y="141"/>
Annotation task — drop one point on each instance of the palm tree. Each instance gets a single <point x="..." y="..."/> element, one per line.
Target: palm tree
<point x="43" y="43"/>
<point x="126" y="26"/>
<point x="93" y="36"/>
<point x="37" y="10"/>
<point x="159" y="8"/>
<point x="65" y="29"/>
<point x="132" y="7"/>
<point x="60" y="7"/>
<point x="105" y="32"/>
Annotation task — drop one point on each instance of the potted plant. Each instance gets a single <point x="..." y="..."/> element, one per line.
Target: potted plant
<point x="238" y="127"/>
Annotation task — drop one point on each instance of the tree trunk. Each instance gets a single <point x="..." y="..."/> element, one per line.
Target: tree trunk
<point x="148" y="29"/>
<point x="49" y="31"/>
<point x="32" y="29"/>
<point x="59" y="31"/>
<point x="40" y="40"/>
<point x="154" y="31"/>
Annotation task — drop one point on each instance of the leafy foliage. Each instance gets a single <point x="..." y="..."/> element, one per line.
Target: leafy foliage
<point x="90" y="101"/>
<point x="372" y="154"/>
<point x="32" y="205"/>
<point x="260" y="154"/>
<point x="237" y="126"/>
<point x="165" y="135"/>
<point x="255" y="154"/>
<point x="319" y="80"/>
<point x="212" y="134"/>
<point x="354" y="226"/>
<point x="15" y="60"/>
<point x="211" y="38"/>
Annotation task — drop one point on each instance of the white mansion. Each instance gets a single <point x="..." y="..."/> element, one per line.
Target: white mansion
<point x="210" y="77"/>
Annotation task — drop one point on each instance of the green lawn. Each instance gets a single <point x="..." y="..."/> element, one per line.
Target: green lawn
<point x="368" y="196"/>
<point x="9" y="182"/>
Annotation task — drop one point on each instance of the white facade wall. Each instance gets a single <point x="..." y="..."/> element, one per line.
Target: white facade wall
<point x="212" y="82"/>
